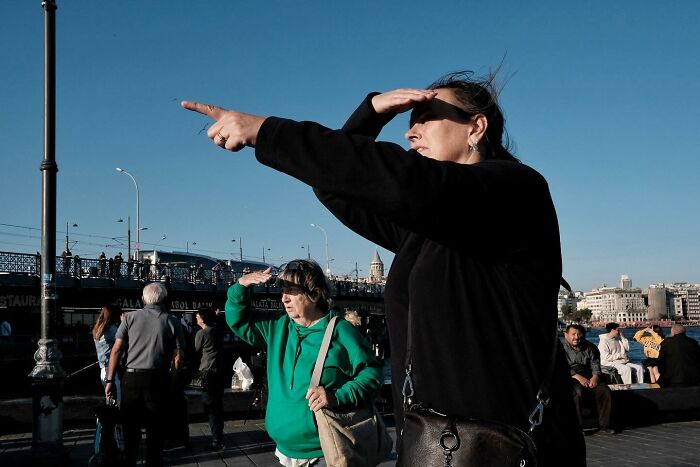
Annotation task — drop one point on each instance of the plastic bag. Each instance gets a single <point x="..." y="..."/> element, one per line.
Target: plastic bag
<point x="243" y="374"/>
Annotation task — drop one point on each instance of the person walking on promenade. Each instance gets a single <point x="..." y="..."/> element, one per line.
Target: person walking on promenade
<point x="152" y="339"/>
<point x="584" y="365"/>
<point x="651" y="338"/>
<point x="177" y="435"/>
<point x="613" y="348"/>
<point x="292" y="338"/>
<point x="208" y="343"/>
<point x="679" y="359"/>
<point x="506" y="264"/>
<point x="104" y="334"/>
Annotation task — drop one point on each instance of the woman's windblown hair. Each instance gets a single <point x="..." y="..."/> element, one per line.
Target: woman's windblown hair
<point x="480" y="96"/>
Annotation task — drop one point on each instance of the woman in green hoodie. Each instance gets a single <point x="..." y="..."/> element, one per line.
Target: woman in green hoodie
<point x="292" y="338"/>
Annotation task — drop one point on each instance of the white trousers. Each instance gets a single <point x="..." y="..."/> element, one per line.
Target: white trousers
<point x="625" y="370"/>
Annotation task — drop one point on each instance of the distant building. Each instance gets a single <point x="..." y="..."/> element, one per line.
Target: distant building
<point x="615" y="304"/>
<point x="679" y="300"/>
<point x="376" y="269"/>
<point x="658" y="302"/>
<point x="625" y="282"/>
<point x="565" y="298"/>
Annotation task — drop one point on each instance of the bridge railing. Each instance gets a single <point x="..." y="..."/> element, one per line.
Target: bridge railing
<point x="19" y="263"/>
<point x="107" y="268"/>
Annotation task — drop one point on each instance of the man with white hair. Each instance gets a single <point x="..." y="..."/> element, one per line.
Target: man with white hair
<point x="154" y="342"/>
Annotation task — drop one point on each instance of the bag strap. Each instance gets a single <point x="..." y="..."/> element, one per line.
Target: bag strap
<point x="322" y="352"/>
<point x="543" y="394"/>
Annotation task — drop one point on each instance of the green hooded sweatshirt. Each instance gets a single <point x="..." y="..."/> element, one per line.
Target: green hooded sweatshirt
<point x="351" y="370"/>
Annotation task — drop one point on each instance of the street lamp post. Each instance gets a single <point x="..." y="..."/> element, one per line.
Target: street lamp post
<point x="47" y="377"/>
<point x="325" y="236"/>
<point x="67" y="243"/>
<point x="308" y="251"/>
<point x="264" y="253"/>
<point x="138" y="213"/>
<point x="188" y="245"/>
<point x="128" y="235"/>
<point x="240" y="246"/>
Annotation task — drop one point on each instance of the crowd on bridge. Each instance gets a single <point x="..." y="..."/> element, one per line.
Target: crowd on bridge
<point x="145" y="269"/>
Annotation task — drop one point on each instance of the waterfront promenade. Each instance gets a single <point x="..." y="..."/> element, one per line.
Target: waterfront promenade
<point x="670" y="444"/>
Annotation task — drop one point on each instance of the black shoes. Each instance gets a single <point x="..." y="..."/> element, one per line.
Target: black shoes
<point x="217" y="445"/>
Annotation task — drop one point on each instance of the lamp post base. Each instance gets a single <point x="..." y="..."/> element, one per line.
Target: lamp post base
<point x="47" y="379"/>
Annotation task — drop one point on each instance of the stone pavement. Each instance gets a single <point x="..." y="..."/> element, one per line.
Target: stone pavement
<point x="671" y="444"/>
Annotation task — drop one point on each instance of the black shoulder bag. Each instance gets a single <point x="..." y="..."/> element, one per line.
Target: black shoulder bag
<point x="430" y="438"/>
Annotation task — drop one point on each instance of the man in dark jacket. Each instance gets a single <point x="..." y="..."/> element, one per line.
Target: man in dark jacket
<point x="584" y="365"/>
<point x="679" y="359"/>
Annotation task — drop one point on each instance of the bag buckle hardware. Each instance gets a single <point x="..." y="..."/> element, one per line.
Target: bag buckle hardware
<point x="407" y="389"/>
<point x="449" y="441"/>
<point x="535" y="418"/>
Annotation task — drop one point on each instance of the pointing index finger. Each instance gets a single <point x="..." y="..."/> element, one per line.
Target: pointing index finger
<point x="205" y="109"/>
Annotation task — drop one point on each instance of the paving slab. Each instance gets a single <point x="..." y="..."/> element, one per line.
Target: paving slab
<point x="247" y="445"/>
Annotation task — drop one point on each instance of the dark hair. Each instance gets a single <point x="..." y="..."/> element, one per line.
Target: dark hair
<point x="578" y="327"/>
<point x="657" y="329"/>
<point x="309" y="275"/>
<point x="611" y="326"/>
<point x="207" y="315"/>
<point x="480" y="96"/>
<point x="109" y="314"/>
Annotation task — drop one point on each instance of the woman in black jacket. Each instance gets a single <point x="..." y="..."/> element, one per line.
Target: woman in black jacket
<point x="476" y="239"/>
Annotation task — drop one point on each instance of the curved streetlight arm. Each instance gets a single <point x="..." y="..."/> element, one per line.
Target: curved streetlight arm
<point x="325" y="236"/>
<point x="138" y="213"/>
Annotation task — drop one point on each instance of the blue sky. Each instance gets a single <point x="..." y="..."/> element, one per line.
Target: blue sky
<point x="601" y="97"/>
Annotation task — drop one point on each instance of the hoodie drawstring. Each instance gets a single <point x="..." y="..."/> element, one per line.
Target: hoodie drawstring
<point x="297" y="353"/>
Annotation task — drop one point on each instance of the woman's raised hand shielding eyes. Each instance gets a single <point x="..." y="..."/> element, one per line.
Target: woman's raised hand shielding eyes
<point x="401" y="100"/>
<point x="255" y="278"/>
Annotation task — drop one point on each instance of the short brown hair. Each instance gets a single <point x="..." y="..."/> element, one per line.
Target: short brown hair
<point x="308" y="276"/>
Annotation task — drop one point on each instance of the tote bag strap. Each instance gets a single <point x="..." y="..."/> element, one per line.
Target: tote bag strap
<point x="323" y="351"/>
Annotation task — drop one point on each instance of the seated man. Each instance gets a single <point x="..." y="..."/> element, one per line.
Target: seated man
<point x="613" y="352"/>
<point x="584" y="365"/>
<point x="679" y="359"/>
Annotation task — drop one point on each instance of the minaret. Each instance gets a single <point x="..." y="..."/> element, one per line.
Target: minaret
<point x="376" y="269"/>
